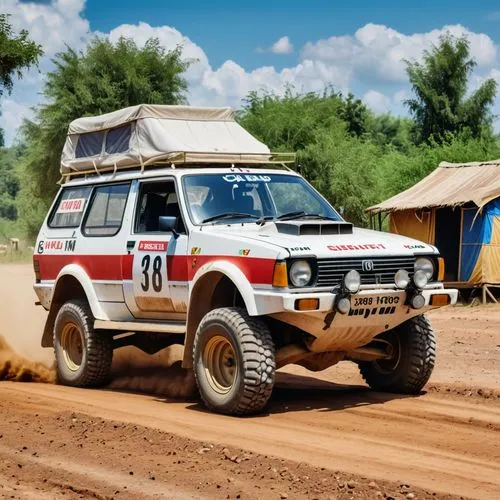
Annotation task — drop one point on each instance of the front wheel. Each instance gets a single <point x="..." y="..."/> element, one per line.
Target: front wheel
<point x="412" y="353"/>
<point x="83" y="355"/>
<point x="233" y="359"/>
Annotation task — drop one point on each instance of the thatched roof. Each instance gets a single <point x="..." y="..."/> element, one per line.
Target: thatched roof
<point x="451" y="184"/>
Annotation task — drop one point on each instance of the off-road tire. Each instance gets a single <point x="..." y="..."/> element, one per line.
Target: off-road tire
<point x="97" y="347"/>
<point x="416" y="362"/>
<point x="254" y="351"/>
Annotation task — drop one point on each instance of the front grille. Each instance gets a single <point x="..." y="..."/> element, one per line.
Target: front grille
<point x="332" y="271"/>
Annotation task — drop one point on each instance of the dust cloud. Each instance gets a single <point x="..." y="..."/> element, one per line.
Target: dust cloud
<point x="23" y="359"/>
<point x="16" y="368"/>
<point x="159" y="374"/>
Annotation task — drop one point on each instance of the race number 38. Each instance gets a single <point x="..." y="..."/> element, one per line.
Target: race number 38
<point x="151" y="275"/>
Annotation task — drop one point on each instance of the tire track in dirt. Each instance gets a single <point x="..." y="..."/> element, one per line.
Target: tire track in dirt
<point x="352" y="431"/>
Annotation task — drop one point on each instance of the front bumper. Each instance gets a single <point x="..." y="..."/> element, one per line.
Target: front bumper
<point x="271" y="302"/>
<point x="373" y="311"/>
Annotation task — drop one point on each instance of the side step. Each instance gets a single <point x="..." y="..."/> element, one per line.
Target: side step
<point x="177" y="327"/>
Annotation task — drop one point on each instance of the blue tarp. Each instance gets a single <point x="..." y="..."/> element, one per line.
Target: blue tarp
<point x="476" y="232"/>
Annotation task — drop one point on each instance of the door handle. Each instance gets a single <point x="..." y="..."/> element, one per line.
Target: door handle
<point x="130" y="246"/>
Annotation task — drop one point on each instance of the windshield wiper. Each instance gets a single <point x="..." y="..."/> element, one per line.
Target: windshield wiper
<point x="230" y="215"/>
<point x="303" y="215"/>
<point x="291" y="215"/>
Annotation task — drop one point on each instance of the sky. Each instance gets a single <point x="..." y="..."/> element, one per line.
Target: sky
<point x="355" y="46"/>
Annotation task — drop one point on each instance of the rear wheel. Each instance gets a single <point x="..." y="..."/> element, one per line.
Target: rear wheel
<point x="233" y="359"/>
<point x="83" y="355"/>
<point x="411" y="347"/>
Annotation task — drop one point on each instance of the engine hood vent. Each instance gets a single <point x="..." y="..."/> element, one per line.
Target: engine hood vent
<point x="316" y="228"/>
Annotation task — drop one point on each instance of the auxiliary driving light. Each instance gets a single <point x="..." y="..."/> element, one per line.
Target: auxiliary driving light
<point x="420" y="279"/>
<point x="343" y="305"/>
<point x="352" y="281"/>
<point x="402" y="279"/>
<point x="417" y="301"/>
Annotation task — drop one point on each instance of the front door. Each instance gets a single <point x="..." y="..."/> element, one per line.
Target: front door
<point x="153" y="294"/>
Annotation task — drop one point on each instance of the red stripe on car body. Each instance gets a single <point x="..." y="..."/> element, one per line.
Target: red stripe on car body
<point x="179" y="267"/>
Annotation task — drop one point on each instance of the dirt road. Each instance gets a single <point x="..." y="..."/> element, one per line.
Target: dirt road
<point x="318" y="440"/>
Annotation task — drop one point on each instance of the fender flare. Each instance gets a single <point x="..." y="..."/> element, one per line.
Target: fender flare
<point x="235" y="274"/>
<point x="79" y="274"/>
<point x="195" y="314"/>
<point x="82" y="277"/>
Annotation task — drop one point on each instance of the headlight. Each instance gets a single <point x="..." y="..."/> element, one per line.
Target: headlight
<point x="300" y="273"/>
<point x="426" y="265"/>
<point x="352" y="281"/>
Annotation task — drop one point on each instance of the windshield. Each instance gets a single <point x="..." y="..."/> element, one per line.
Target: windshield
<point x="241" y="196"/>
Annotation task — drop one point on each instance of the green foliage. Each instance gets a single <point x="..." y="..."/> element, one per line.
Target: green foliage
<point x="288" y="123"/>
<point x="355" y="170"/>
<point x="9" y="183"/>
<point x="17" y="53"/>
<point x="103" y="78"/>
<point x="440" y="105"/>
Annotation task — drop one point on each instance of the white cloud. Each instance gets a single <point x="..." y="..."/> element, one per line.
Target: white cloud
<point x="12" y="116"/>
<point x="53" y="24"/>
<point x="282" y="46"/>
<point x="377" y="101"/>
<point x="229" y="83"/>
<point x="371" y="58"/>
<point x="378" y="52"/>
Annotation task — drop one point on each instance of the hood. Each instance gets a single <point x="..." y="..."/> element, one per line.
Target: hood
<point x="361" y="243"/>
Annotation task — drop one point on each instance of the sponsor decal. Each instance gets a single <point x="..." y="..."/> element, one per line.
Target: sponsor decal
<point x="71" y="206"/>
<point x="411" y="247"/>
<point x="244" y="251"/>
<point x="62" y="245"/>
<point x="368" y="246"/>
<point x="366" y="312"/>
<point x="195" y="251"/>
<point x="299" y="249"/>
<point x="153" y="246"/>
<point x="246" y="178"/>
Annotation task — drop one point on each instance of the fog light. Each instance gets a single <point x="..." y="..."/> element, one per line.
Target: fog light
<point x="352" y="281"/>
<point x="420" y="279"/>
<point x="417" y="301"/>
<point x="402" y="279"/>
<point x="306" y="304"/>
<point x="343" y="305"/>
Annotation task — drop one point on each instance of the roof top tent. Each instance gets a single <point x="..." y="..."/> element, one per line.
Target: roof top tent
<point x="457" y="209"/>
<point x="148" y="135"/>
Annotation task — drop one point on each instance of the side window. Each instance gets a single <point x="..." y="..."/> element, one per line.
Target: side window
<point x="70" y="208"/>
<point x="107" y="206"/>
<point x="157" y="199"/>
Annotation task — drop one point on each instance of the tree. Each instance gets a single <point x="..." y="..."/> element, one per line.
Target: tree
<point x="9" y="183"/>
<point x="439" y="83"/>
<point x="17" y="53"/>
<point x="355" y="113"/>
<point x="102" y="78"/>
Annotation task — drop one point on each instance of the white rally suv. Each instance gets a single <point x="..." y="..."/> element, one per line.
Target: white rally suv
<point x="174" y="226"/>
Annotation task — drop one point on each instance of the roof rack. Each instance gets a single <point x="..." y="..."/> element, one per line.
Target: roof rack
<point x="191" y="159"/>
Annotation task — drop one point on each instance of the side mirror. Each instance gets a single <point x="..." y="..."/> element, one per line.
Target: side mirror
<point x="166" y="224"/>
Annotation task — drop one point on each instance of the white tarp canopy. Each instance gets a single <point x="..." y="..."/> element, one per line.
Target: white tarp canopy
<point x="148" y="133"/>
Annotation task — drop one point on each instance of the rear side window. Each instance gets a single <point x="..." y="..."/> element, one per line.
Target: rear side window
<point x="70" y="208"/>
<point x="106" y="210"/>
